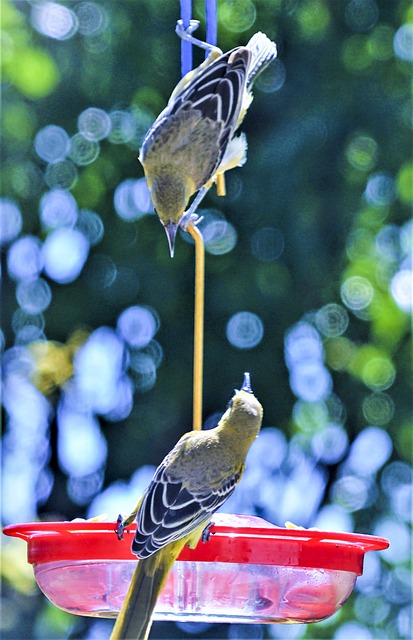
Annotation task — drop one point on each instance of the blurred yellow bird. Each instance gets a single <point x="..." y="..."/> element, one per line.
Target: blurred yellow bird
<point x="191" y="483"/>
<point x="192" y="142"/>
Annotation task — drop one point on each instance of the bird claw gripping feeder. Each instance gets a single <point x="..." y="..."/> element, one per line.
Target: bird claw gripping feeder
<point x="245" y="569"/>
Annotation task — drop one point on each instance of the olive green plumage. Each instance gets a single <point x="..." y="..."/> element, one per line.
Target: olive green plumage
<point x="191" y="483"/>
<point x="192" y="140"/>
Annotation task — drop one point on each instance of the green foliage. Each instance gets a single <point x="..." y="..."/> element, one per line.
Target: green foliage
<point x="30" y="69"/>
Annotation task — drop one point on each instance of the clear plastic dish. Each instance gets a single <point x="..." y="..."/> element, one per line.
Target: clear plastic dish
<point x="248" y="571"/>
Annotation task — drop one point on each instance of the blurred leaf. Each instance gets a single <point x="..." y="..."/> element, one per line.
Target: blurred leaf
<point x="33" y="72"/>
<point x="405" y="183"/>
<point x="14" y="566"/>
<point x="53" y="624"/>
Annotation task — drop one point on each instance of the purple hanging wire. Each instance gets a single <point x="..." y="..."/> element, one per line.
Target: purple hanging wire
<point x="186" y="47"/>
<point x="211" y="21"/>
<point x="211" y="30"/>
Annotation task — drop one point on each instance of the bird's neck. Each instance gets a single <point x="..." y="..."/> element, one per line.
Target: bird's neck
<point x="240" y="434"/>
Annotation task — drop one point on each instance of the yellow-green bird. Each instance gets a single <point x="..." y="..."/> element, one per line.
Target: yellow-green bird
<point x="192" y="141"/>
<point x="191" y="483"/>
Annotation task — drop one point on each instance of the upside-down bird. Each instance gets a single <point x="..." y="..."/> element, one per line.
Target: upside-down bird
<point x="191" y="144"/>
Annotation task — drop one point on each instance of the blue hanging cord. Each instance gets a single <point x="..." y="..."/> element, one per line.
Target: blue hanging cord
<point x="186" y="47"/>
<point x="211" y="30"/>
<point x="211" y="21"/>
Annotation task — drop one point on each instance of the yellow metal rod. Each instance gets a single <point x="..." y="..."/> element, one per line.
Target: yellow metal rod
<point x="221" y="189"/>
<point x="198" y="323"/>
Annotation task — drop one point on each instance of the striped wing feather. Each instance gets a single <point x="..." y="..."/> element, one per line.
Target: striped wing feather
<point x="169" y="511"/>
<point x="216" y="97"/>
<point x="218" y="91"/>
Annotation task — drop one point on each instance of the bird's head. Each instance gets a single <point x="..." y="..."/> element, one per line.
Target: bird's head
<point x="244" y="406"/>
<point x="170" y="197"/>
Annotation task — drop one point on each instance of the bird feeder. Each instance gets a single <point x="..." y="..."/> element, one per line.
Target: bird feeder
<point x="248" y="571"/>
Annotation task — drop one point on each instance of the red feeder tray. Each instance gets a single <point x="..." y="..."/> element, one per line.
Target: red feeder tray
<point x="248" y="571"/>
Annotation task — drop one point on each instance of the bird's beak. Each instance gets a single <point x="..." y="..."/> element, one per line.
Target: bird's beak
<point x="171" y="228"/>
<point x="246" y="385"/>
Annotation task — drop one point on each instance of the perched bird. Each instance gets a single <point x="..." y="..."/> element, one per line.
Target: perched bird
<point x="191" y="483"/>
<point x="192" y="142"/>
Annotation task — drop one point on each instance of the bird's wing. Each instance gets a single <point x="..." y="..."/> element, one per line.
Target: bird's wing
<point x="214" y="99"/>
<point x="169" y="510"/>
<point x="218" y="91"/>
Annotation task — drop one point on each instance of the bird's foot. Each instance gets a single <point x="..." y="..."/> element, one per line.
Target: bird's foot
<point x="206" y="534"/>
<point x="185" y="33"/>
<point x="190" y="217"/>
<point x="120" y="527"/>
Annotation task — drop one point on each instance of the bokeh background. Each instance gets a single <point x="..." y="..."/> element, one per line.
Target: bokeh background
<point x="308" y="285"/>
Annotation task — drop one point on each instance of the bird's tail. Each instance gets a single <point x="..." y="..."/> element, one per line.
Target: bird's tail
<point x="135" y="618"/>
<point x="263" y="51"/>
